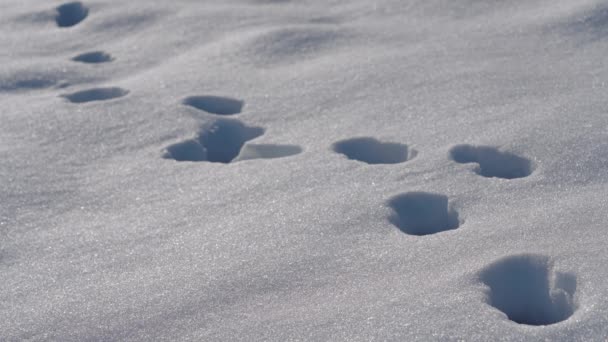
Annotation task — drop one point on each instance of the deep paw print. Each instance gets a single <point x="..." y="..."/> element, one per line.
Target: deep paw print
<point x="225" y="140"/>
<point x="220" y="141"/>
<point x="372" y="151"/>
<point x="422" y="213"/>
<point x="93" y="57"/>
<point x="70" y="14"/>
<point x="96" y="94"/>
<point x="528" y="290"/>
<point x="492" y="162"/>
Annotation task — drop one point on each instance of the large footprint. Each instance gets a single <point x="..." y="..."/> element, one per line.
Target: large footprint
<point x="93" y="57"/>
<point x="423" y="213"/>
<point x="492" y="162"/>
<point x="218" y="142"/>
<point x="224" y="141"/>
<point x="70" y="14"/>
<point x="372" y="151"/>
<point x="528" y="291"/>
<point x="95" y="94"/>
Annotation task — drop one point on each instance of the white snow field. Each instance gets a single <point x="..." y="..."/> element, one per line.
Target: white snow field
<point x="304" y="170"/>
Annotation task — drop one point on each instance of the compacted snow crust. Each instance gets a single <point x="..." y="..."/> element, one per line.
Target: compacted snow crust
<point x="304" y="170"/>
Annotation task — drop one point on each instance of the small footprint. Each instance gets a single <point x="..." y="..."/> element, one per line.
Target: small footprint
<point x="27" y="84"/>
<point x="71" y="13"/>
<point x="96" y="94"/>
<point x="93" y="57"/>
<point x="215" y="104"/>
<point x="492" y="162"/>
<point x="422" y="213"/>
<point x="218" y="142"/>
<point x="372" y="151"/>
<point x="34" y="78"/>
<point x="267" y="151"/>
<point x="528" y="291"/>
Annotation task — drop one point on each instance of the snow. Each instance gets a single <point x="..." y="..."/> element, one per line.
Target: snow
<point x="330" y="170"/>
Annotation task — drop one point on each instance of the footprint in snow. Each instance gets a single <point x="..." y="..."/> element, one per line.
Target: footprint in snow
<point x="372" y="151"/>
<point x="528" y="291"/>
<point x="492" y="162"/>
<point x="422" y="213"/>
<point x="220" y="141"/>
<point x="215" y="104"/>
<point x="28" y="84"/>
<point x="95" y="94"/>
<point x="70" y="14"/>
<point x="93" y="57"/>
<point x="225" y="141"/>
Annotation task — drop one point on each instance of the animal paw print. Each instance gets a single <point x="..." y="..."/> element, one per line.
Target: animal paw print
<point x="96" y="94"/>
<point x="422" y="213"/>
<point x="71" y="14"/>
<point x="492" y="162"/>
<point x="372" y="151"/>
<point x="220" y="141"/>
<point x="225" y="140"/>
<point x="528" y="290"/>
<point x="93" y="57"/>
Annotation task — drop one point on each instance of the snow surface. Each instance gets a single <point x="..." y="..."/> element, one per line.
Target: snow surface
<point x="472" y="205"/>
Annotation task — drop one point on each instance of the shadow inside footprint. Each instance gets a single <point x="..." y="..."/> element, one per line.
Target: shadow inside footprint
<point x="215" y="104"/>
<point x="71" y="13"/>
<point x="218" y="142"/>
<point x="372" y="151"/>
<point x="96" y="94"/>
<point x="492" y="162"/>
<point x="93" y="57"/>
<point x="422" y="213"/>
<point x="528" y="291"/>
<point x="267" y="151"/>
